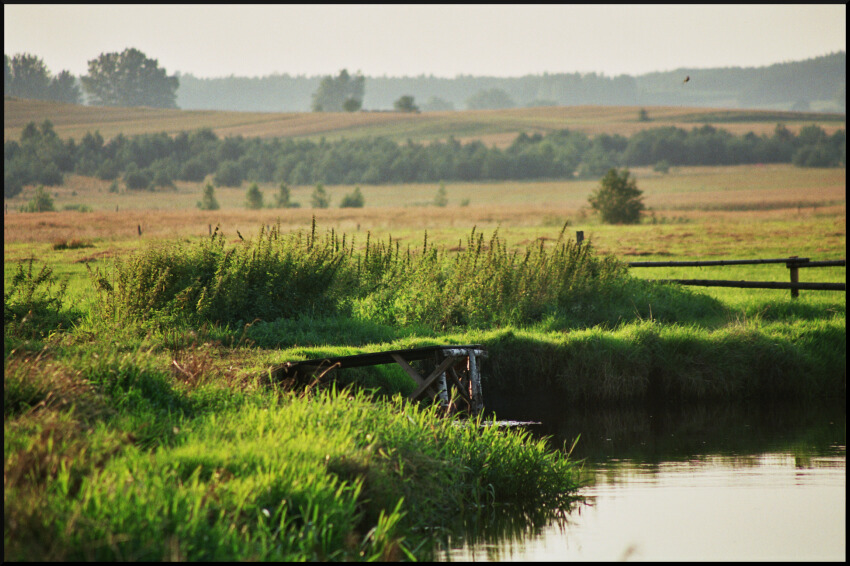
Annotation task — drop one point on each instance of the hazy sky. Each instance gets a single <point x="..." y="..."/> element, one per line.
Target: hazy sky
<point x="443" y="40"/>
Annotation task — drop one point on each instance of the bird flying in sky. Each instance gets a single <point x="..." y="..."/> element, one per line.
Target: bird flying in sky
<point x="687" y="78"/>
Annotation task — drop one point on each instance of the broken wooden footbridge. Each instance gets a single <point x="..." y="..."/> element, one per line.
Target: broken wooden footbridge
<point x="450" y="375"/>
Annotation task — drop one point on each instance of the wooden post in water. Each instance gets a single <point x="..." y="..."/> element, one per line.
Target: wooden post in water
<point x="795" y="276"/>
<point x="579" y="237"/>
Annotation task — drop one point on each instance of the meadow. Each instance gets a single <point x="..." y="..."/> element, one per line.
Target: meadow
<point x="142" y="420"/>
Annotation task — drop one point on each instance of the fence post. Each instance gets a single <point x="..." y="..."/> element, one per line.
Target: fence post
<point x="795" y="276"/>
<point x="579" y="237"/>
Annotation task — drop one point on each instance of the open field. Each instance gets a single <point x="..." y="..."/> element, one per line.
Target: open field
<point x="699" y="212"/>
<point x="493" y="127"/>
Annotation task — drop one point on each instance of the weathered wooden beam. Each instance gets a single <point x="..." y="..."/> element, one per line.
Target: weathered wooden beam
<point x="407" y="367"/>
<point x="434" y="375"/>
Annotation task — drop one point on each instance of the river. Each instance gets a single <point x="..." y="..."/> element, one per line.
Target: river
<point x="696" y="483"/>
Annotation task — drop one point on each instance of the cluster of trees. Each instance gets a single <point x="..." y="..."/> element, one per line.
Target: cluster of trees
<point x="26" y="76"/>
<point x="157" y="160"/>
<point x="342" y="93"/>
<point x="128" y="78"/>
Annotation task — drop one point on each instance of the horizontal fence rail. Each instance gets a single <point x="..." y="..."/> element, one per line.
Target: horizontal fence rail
<point x="756" y="284"/>
<point x="792" y="263"/>
<point x="718" y="262"/>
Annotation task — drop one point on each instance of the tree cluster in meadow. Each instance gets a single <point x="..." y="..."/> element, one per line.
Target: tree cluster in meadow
<point x="128" y="78"/>
<point x="153" y="161"/>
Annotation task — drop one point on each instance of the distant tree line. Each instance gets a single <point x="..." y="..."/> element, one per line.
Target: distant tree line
<point x="816" y="84"/>
<point x="157" y="160"/>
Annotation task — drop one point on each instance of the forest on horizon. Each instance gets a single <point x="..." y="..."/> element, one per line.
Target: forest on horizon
<point x="817" y="84"/>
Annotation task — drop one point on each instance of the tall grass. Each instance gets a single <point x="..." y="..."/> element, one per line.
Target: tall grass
<point x="282" y="276"/>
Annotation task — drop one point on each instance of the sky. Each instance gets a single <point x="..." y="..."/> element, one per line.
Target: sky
<point x="441" y="40"/>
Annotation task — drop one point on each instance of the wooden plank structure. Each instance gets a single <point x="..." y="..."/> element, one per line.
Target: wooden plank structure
<point x="455" y="368"/>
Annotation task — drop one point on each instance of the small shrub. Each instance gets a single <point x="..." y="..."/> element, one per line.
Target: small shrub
<point x="77" y="207"/>
<point x="33" y="303"/>
<point x="72" y="244"/>
<point x="40" y="202"/>
<point x="208" y="200"/>
<point x="662" y="166"/>
<point x="353" y="200"/>
<point x="254" y="197"/>
<point x="283" y="196"/>
<point x="320" y="197"/>
<point x="441" y="199"/>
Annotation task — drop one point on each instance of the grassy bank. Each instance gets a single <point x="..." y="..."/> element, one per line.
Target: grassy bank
<point x="140" y="421"/>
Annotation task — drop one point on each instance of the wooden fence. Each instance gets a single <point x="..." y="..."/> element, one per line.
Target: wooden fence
<point x="793" y="263"/>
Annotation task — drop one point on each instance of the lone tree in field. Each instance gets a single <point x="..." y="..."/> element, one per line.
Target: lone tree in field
<point x="441" y="198"/>
<point x="618" y="200"/>
<point x="405" y="104"/>
<point x="320" y="197"/>
<point x="208" y="200"/>
<point x="129" y="78"/>
<point x="254" y="197"/>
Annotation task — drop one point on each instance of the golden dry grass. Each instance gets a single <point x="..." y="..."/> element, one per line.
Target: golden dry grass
<point x="702" y="188"/>
<point x="739" y="194"/>
<point x="493" y="127"/>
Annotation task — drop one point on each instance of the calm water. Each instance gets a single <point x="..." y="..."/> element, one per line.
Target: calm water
<point x="697" y="483"/>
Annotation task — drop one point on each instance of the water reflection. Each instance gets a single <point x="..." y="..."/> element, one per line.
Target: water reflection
<point x="720" y="482"/>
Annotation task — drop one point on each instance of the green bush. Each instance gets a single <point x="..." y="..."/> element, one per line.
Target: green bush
<point x="320" y="197"/>
<point x="208" y="200"/>
<point x="353" y="200"/>
<point x="40" y="202"/>
<point x="254" y="197"/>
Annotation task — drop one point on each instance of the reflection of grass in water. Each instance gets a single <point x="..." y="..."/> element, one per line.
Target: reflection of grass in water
<point x="499" y="529"/>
